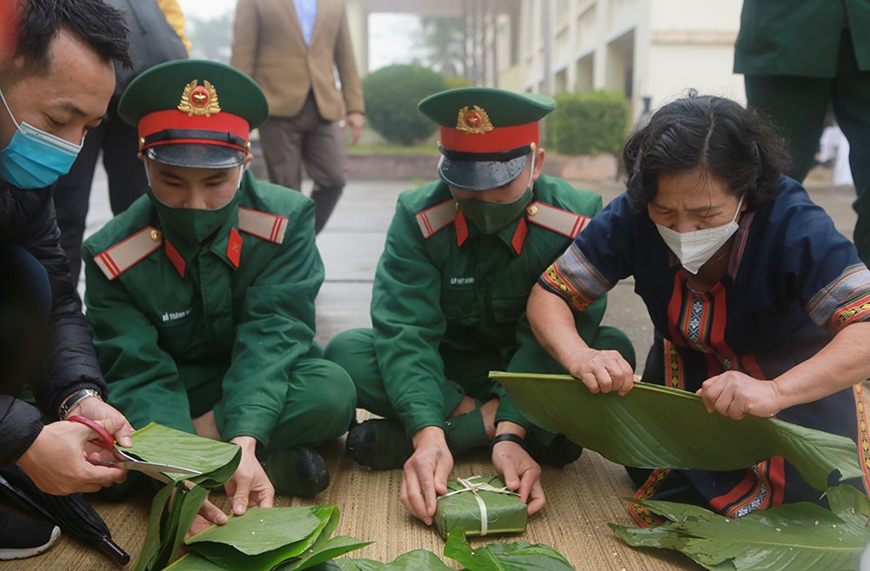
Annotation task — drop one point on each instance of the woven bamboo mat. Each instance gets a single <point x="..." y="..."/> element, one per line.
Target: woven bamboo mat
<point x="581" y="499"/>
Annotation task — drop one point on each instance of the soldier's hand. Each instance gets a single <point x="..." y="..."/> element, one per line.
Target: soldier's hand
<point x="249" y="486"/>
<point x="520" y="473"/>
<point x="425" y="473"/>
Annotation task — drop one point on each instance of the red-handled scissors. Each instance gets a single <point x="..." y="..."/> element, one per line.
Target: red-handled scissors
<point x="107" y="442"/>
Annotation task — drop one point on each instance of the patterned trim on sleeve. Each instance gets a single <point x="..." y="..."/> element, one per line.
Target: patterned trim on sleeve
<point x="844" y="301"/>
<point x="574" y="278"/>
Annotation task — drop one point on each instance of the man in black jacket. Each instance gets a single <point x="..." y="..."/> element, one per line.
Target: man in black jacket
<point x="56" y="86"/>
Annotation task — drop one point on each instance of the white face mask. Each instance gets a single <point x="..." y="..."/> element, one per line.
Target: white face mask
<point x="694" y="248"/>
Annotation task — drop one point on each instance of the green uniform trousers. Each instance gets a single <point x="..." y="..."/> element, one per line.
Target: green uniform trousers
<point x="467" y="371"/>
<point x="798" y="105"/>
<point x="321" y="402"/>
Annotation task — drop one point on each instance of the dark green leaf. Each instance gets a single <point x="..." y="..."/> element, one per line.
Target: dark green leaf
<point x="659" y="427"/>
<point x="419" y="560"/>
<point x="793" y="537"/>
<point x="284" y="534"/>
<point x="518" y="556"/>
<point x="216" y="461"/>
<point x="152" y="538"/>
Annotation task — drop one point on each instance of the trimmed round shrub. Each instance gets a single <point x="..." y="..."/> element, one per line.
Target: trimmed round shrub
<point x="588" y="123"/>
<point x="391" y="96"/>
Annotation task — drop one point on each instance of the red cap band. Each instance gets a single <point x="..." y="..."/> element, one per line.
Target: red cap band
<point x="222" y="122"/>
<point x="495" y="141"/>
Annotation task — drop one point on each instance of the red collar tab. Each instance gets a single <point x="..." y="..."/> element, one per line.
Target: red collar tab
<point x="461" y="228"/>
<point x="234" y="247"/>
<point x="519" y="237"/>
<point x="494" y="140"/>
<point x="178" y="120"/>
<point x="175" y="258"/>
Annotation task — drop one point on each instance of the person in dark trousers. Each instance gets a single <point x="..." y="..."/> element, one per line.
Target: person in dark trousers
<point x="291" y="50"/>
<point x="798" y="60"/>
<point x="153" y="40"/>
<point x="55" y="88"/>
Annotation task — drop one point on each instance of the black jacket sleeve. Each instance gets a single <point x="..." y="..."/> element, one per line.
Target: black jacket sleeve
<point x="19" y="427"/>
<point x="27" y="219"/>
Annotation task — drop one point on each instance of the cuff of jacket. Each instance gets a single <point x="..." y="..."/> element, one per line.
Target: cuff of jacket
<point x="55" y="400"/>
<point x="254" y="421"/>
<point x="19" y="426"/>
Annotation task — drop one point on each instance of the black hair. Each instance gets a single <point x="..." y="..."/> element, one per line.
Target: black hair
<point x="716" y="135"/>
<point x="98" y="25"/>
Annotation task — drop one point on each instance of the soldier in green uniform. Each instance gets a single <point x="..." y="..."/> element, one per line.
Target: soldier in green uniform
<point x="201" y="295"/>
<point x="449" y="303"/>
<point x="801" y="58"/>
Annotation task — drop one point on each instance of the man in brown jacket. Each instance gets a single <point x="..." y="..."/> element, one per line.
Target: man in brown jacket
<point x="290" y="47"/>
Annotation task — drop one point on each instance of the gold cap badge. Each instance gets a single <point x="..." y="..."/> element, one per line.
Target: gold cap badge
<point x="199" y="99"/>
<point x="473" y="122"/>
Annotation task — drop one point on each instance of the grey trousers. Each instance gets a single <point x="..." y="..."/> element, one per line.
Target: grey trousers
<point x="290" y="142"/>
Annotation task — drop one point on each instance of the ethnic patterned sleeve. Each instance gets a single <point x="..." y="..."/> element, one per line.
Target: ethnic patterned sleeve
<point x="831" y="281"/>
<point x="601" y="255"/>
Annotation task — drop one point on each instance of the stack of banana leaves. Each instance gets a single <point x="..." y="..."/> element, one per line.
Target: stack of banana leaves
<point x="659" y="427"/>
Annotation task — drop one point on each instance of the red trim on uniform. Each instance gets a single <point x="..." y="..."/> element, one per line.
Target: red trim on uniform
<point x="110" y="264"/>
<point x="234" y="247"/>
<point x="495" y="141"/>
<point x="461" y="228"/>
<point x="175" y="258"/>
<point x="519" y="237"/>
<point x="221" y="122"/>
<point x="276" y="227"/>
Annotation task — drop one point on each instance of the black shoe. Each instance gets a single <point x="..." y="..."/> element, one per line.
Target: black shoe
<point x="559" y="453"/>
<point x="298" y="471"/>
<point x="20" y="538"/>
<point x="379" y="444"/>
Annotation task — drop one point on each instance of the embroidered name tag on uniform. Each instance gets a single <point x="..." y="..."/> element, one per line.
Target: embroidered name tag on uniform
<point x="176" y="315"/>
<point x="461" y="281"/>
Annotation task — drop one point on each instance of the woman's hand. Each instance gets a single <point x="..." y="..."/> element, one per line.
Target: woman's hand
<point x="601" y="371"/>
<point x="735" y="394"/>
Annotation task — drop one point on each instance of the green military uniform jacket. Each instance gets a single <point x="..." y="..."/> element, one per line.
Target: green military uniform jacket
<point x="441" y="286"/>
<point x="181" y="329"/>
<point x="800" y="38"/>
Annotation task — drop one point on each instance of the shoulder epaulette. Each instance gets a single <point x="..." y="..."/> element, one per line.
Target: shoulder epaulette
<point x="433" y="219"/>
<point x="124" y="255"/>
<point x="263" y="225"/>
<point x="560" y="221"/>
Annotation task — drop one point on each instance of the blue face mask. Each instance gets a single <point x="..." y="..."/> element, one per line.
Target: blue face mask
<point x="34" y="158"/>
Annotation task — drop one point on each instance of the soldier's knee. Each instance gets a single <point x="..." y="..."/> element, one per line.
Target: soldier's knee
<point x="346" y="348"/>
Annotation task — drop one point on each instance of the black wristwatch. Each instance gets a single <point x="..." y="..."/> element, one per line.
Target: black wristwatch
<point x="506" y="437"/>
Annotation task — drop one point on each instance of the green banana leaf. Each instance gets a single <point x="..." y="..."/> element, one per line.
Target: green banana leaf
<point x="215" y="461"/>
<point x="324" y="548"/>
<point x="517" y="556"/>
<point x="419" y="560"/>
<point x="660" y="427"/>
<point x="792" y="537"/>
<point x="167" y="528"/>
<point x="292" y="538"/>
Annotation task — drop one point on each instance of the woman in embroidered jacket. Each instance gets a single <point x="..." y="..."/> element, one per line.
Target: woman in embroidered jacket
<point x="759" y="304"/>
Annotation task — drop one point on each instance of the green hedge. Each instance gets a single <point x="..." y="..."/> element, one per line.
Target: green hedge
<point x="391" y="97"/>
<point x="588" y="123"/>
